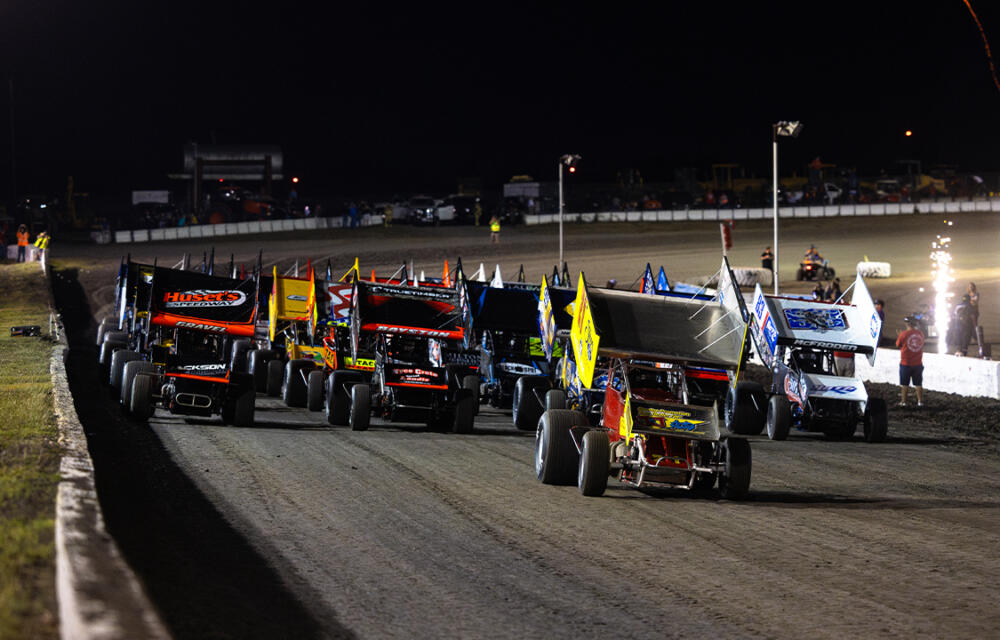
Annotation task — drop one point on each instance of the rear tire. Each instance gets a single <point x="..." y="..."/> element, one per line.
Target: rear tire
<point x="556" y="457"/>
<point x="527" y="407"/>
<point x="315" y="390"/>
<point x="734" y="479"/>
<point x="745" y="408"/>
<point x="275" y="371"/>
<point x="779" y="418"/>
<point x="876" y="420"/>
<point x="595" y="462"/>
<point x="360" y="407"/>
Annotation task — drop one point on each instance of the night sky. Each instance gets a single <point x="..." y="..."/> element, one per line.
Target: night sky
<point x="379" y="97"/>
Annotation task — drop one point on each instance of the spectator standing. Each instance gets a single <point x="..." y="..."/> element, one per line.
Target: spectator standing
<point x="352" y="212"/>
<point x="974" y="303"/>
<point x="22" y="242"/>
<point x="42" y="244"/>
<point x="495" y="229"/>
<point x="961" y="328"/>
<point x="833" y="292"/>
<point x="387" y="215"/>
<point x="767" y="259"/>
<point x="477" y="213"/>
<point x="911" y="361"/>
<point x="880" y="308"/>
<point x="818" y="292"/>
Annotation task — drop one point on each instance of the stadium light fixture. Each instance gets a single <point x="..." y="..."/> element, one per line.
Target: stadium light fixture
<point x="569" y="160"/>
<point x="787" y="129"/>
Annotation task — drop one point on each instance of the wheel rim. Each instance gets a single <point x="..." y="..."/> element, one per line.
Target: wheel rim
<point x="539" y="449"/>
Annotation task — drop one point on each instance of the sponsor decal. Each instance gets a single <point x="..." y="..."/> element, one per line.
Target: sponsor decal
<point x="203" y="298"/>
<point x="184" y="324"/>
<point x="413" y="331"/>
<point x="816" y="319"/>
<point x="203" y="368"/>
<point x="759" y="307"/>
<point x="360" y="363"/>
<point x="298" y="298"/>
<point x="792" y="388"/>
<point x="876" y="325"/>
<point x="838" y="389"/>
<point x="770" y="333"/>
<point x="393" y="291"/>
<point x="519" y="369"/>
<point x="669" y="420"/>
<point x="828" y="345"/>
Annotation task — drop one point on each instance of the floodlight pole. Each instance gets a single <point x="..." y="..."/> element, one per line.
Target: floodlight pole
<point x="561" y="207"/>
<point x="774" y="202"/>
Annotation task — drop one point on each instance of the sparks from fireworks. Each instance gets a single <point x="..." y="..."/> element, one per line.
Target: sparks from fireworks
<point x="986" y="44"/>
<point x="943" y="276"/>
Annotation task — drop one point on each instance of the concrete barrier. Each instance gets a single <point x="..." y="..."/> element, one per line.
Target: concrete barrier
<point x="660" y="215"/>
<point x="874" y="269"/>
<point x="947" y="373"/>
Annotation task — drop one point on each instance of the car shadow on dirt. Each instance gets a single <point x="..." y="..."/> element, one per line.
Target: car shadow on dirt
<point x="205" y="579"/>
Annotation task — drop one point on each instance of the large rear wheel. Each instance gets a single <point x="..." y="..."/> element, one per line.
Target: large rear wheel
<point x="245" y="404"/>
<point x="142" y="397"/>
<point x="118" y="360"/>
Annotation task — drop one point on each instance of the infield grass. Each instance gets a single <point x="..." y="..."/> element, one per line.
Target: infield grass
<point x="29" y="460"/>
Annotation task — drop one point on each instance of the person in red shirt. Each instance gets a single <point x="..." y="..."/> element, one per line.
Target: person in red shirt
<point x="911" y="361"/>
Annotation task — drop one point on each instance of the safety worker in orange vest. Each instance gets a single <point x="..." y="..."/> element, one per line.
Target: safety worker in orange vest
<point x="22" y="242"/>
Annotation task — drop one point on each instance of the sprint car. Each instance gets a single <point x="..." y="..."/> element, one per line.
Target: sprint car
<point x="412" y="328"/>
<point x="181" y="364"/>
<point x="650" y="433"/>
<point x="812" y="388"/>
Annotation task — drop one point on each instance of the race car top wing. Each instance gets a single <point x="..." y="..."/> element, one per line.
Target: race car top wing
<point x="291" y="299"/>
<point x="786" y="321"/>
<point x="434" y="312"/>
<point x="192" y="300"/>
<point x="626" y="324"/>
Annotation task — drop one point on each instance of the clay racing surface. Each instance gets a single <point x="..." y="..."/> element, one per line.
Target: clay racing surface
<point x="294" y="529"/>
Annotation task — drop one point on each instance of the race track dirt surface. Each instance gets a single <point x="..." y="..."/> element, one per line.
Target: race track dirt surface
<point x="294" y="529"/>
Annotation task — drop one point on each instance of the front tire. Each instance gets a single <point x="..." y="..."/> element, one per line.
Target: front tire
<point x="526" y="406"/>
<point x="360" y="407"/>
<point x="734" y="479"/>
<point x="141" y="402"/>
<point x="595" y="462"/>
<point x="876" y="420"/>
<point x="745" y="409"/>
<point x="556" y="457"/>
<point x="275" y="371"/>
<point x="779" y="418"/>
<point x="464" y="412"/>
<point x="555" y="399"/>
<point x="315" y="390"/>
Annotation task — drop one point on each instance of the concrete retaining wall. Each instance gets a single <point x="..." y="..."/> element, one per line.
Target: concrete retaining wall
<point x="951" y="374"/>
<point x="238" y="228"/>
<point x="817" y="211"/>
